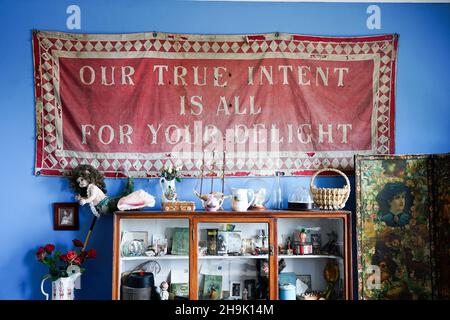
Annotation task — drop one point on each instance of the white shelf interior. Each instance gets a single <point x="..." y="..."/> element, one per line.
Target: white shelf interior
<point x="263" y="256"/>
<point x="287" y="226"/>
<point x="232" y="268"/>
<point x="311" y="264"/>
<point x="166" y="257"/>
<point x="308" y="256"/>
<point x="170" y="264"/>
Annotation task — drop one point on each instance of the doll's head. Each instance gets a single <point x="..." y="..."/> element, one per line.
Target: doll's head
<point x="164" y="286"/>
<point x="83" y="175"/>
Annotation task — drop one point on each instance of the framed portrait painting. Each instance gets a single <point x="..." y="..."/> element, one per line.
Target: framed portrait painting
<point x="397" y="235"/>
<point x="236" y="288"/>
<point x="212" y="287"/>
<point x="65" y="216"/>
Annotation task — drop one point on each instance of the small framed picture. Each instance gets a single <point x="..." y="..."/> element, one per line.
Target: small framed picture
<point x="306" y="279"/>
<point x="65" y="216"/>
<point x="236" y="289"/>
<point x="212" y="289"/>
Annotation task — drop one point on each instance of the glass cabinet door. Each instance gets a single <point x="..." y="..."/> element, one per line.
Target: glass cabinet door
<point x="233" y="260"/>
<point x="161" y="247"/>
<point x="310" y="258"/>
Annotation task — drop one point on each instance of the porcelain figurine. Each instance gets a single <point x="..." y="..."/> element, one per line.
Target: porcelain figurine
<point x="164" y="294"/>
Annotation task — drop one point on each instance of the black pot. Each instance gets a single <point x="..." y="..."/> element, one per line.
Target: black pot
<point x="140" y="280"/>
<point x="300" y="206"/>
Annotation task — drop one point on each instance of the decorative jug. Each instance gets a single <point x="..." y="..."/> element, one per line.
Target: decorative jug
<point x="169" y="193"/>
<point x="62" y="288"/>
<point x="240" y="199"/>
<point x="212" y="202"/>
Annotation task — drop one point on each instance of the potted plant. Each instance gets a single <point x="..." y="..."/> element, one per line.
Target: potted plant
<point x="64" y="268"/>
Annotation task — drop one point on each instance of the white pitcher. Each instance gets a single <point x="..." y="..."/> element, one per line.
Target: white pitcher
<point x="240" y="199"/>
<point x="62" y="288"/>
<point x="169" y="193"/>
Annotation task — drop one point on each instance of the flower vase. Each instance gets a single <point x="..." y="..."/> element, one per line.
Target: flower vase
<point x="168" y="190"/>
<point x="62" y="288"/>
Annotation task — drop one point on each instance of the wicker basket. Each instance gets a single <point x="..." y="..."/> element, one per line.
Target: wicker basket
<point x="330" y="198"/>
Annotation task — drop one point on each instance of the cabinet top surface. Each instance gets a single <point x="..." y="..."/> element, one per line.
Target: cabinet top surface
<point x="234" y="214"/>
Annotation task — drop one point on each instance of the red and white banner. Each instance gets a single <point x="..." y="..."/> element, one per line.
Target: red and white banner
<point x="127" y="103"/>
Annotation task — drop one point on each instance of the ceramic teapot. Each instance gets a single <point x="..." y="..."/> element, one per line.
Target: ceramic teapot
<point x="211" y="201"/>
<point x="240" y="198"/>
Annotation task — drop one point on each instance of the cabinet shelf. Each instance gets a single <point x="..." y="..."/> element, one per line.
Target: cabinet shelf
<point x="166" y="257"/>
<point x="309" y="256"/>
<point x="265" y="256"/>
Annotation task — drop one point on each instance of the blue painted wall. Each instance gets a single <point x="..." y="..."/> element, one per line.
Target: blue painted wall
<point x="422" y="124"/>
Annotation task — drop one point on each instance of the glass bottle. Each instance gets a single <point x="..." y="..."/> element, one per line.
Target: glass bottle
<point x="277" y="197"/>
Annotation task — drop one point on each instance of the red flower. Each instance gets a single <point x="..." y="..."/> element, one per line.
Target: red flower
<point x="77" y="243"/>
<point x="92" y="253"/>
<point x="49" y="248"/>
<point x="40" y="254"/>
<point x="57" y="263"/>
<point x="71" y="255"/>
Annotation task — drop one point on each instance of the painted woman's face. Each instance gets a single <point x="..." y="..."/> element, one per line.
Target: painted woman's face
<point x="83" y="183"/>
<point x="397" y="204"/>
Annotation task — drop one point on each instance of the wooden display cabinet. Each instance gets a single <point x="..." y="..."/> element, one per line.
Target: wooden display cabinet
<point x="237" y="270"/>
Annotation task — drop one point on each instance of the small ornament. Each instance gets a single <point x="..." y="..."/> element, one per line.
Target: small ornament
<point x="73" y="269"/>
<point x="164" y="294"/>
<point x="331" y="275"/>
<point x="245" y="294"/>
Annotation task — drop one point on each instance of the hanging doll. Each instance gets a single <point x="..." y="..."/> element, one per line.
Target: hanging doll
<point x="89" y="186"/>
